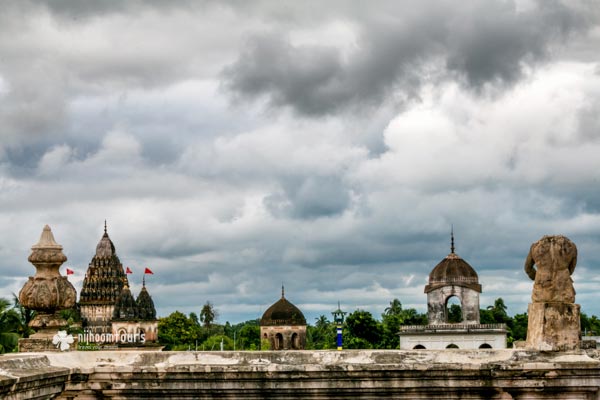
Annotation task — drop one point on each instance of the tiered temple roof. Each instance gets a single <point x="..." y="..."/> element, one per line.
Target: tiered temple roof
<point x="105" y="276"/>
<point x="146" y="310"/>
<point x="126" y="308"/>
<point x="129" y="309"/>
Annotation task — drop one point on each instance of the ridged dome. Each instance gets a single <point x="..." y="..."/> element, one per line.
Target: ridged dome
<point x="145" y="305"/>
<point x="453" y="270"/>
<point x="105" y="248"/>
<point x="282" y="313"/>
<point x="126" y="307"/>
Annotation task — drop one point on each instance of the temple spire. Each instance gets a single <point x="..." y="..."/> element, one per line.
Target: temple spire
<point x="105" y="226"/>
<point x="452" y="239"/>
<point x="282" y="291"/>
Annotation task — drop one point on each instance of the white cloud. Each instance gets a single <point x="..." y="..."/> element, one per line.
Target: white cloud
<point x="55" y="159"/>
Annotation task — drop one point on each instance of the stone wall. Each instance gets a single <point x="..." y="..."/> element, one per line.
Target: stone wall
<point x="362" y="374"/>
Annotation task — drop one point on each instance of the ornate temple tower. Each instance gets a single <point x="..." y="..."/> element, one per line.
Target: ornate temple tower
<point x="283" y="325"/>
<point x="103" y="283"/>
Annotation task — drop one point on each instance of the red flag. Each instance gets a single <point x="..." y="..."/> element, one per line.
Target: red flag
<point x="129" y="271"/>
<point x="147" y="271"/>
<point x="70" y="271"/>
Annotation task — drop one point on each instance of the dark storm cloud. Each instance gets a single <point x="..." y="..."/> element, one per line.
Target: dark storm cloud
<point x="482" y="43"/>
<point x="83" y="9"/>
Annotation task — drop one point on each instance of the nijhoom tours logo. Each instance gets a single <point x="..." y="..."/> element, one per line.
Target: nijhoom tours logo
<point x="110" y="339"/>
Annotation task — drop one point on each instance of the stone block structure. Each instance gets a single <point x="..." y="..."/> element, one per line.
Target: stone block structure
<point x="554" y="322"/>
<point x="283" y="325"/>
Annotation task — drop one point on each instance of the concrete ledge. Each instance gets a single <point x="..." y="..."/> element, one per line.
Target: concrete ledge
<point x="31" y="377"/>
<point x="366" y="374"/>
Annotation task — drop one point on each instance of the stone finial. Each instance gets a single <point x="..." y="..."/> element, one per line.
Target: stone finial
<point x="46" y="240"/>
<point x="47" y="292"/>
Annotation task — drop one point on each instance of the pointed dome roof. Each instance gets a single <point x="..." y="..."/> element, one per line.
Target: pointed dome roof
<point x="453" y="270"/>
<point x="282" y="313"/>
<point x="145" y="305"/>
<point x="126" y="307"/>
<point x="105" y="248"/>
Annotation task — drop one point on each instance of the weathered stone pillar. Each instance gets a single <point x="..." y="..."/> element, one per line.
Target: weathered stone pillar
<point x="46" y="293"/>
<point x="553" y="315"/>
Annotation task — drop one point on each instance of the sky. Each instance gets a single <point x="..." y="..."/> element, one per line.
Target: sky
<point x="233" y="147"/>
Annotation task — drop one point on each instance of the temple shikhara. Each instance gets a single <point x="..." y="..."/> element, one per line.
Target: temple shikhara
<point x="106" y="303"/>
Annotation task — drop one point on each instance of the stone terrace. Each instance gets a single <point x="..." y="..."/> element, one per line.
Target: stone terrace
<point x="364" y="374"/>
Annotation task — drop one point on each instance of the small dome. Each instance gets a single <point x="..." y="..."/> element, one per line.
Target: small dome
<point x="282" y="313"/>
<point x="145" y="306"/>
<point x="105" y="248"/>
<point x="453" y="270"/>
<point x="126" y="307"/>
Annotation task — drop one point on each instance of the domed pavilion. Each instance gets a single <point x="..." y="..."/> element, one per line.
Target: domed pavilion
<point x="283" y="325"/>
<point x="453" y="278"/>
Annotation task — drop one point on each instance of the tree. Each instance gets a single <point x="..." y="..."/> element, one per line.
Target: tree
<point x="194" y="318"/>
<point x="178" y="331"/>
<point x="322" y="335"/>
<point x="364" y="330"/>
<point x="208" y="314"/>
<point x="393" y="318"/>
<point x="499" y="311"/>
<point x="391" y="321"/>
<point x="249" y="337"/>
<point x="25" y="317"/>
<point x="10" y="324"/>
<point x="395" y="308"/>
<point x="518" y="329"/>
<point x="213" y="343"/>
<point x="455" y="314"/>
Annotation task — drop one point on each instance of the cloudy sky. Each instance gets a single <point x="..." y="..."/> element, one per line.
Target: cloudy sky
<point x="329" y="146"/>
